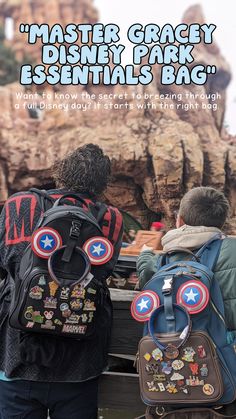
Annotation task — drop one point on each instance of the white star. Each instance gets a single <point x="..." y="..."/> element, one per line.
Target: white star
<point x="143" y="304"/>
<point x="191" y="296"/>
<point x="47" y="242"/>
<point x="97" y="249"/>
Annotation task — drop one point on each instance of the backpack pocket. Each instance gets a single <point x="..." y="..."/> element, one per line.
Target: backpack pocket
<point x="42" y="306"/>
<point x="189" y="377"/>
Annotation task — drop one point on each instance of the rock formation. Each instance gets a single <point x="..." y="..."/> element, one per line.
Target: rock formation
<point x="157" y="154"/>
<point x="41" y="11"/>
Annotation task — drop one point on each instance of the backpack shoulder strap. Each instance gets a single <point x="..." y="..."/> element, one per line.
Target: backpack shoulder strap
<point x="209" y="253"/>
<point x="102" y="209"/>
<point x="42" y="197"/>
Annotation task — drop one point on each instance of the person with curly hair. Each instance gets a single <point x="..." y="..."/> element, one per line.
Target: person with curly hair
<point x="30" y="389"/>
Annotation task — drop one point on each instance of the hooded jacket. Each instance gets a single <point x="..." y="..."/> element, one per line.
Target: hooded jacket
<point x="193" y="238"/>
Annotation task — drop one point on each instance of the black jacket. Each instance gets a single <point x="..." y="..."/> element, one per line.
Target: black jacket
<point x="76" y="360"/>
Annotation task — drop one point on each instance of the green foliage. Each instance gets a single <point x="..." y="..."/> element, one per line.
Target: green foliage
<point x="2" y="35"/>
<point x="9" y="67"/>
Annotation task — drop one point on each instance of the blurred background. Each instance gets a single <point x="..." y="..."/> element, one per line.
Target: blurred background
<point x="167" y="152"/>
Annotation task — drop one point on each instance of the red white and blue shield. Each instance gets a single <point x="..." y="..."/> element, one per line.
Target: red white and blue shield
<point x="45" y="241"/>
<point x="143" y="305"/>
<point x="194" y="296"/>
<point x="99" y="250"/>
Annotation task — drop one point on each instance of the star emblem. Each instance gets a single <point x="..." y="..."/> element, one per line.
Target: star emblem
<point x="191" y="296"/>
<point x="98" y="249"/>
<point x="143" y="304"/>
<point x="47" y="242"/>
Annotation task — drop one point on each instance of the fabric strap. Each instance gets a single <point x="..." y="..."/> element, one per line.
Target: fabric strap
<point x="209" y="253"/>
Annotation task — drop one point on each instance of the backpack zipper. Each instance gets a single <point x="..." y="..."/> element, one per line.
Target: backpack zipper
<point x="207" y="276"/>
<point x="217" y="312"/>
<point x="136" y="362"/>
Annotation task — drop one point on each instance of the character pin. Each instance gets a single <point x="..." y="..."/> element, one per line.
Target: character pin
<point x="34" y="316"/>
<point x="159" y="377"/>
<point x="48" y="314"/>
<point x="208" y="389"/>
<point x="42" y="280"/>
<point x="194" y="368"/>
<point x="148" y="369"/>
<point x="151" y="386"/>
<point x="188" y="354"/>
<point x="171" y="352"/>
<point x="29" y="313"/>
<point x="36" y="293"/>
<point x="176" y="377"/>
<point x="204" y="370"/>
<point x="92" y="291"/>
<point x="166" y="367"/>
<point x="147" y="356"/>
<point x="201" y="351"/>
<point x="65" y="293"/>
<point x="171" y="388"/>
<point x="76" y="304"/>
<point x="58" y="322"/>
<point x="161" y="386"/>
<point x="52" y="288"/>
<point x="89" y="305"/>
<point x="73" y="318"/>
<point x="50" y="302"/>
<point x="66" y="312"/>
<point x="193" y="381"/>
<point x="177" y="364"/>
<point x="90" y="317"/>
<point x="78" y="292"/>
<point x="37" y="318"/>
<point x="157" y="354"/>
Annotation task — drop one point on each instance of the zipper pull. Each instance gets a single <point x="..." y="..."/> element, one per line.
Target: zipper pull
<point x="136" y="362"/>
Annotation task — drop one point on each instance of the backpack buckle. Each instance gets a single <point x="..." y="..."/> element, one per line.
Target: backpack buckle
<point x="167" y="287"/>
<point x="75" y="229"/>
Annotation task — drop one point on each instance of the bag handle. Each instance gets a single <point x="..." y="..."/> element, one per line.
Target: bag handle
<point x="165" y="256"/>
<point x="70" y="195"/>
<point x="56" y="254"/>
<point x="183" y="335"/>
<point x="42" y="195"/>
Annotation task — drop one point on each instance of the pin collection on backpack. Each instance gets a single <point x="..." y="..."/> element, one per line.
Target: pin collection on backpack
<point x="70" y="310"/>
<point x="177" y="371"/>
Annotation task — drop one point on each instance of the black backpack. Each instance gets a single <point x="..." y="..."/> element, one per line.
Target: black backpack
<point x="61" y="286"/>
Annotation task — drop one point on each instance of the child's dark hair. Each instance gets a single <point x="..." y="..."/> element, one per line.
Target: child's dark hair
<point x="204" y="206"/>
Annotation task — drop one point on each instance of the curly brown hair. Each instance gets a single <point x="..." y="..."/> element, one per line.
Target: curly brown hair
<point x="85" y="170"/>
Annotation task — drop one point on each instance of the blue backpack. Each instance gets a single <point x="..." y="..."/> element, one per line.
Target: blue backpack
<point x="185" y="357"/>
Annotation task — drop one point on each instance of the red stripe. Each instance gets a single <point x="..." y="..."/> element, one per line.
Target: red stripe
<point x="106" y="228"/>
<point x="32" y="210"/>
<point x="118" y="225"/>
<point x="18" y="200"/>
